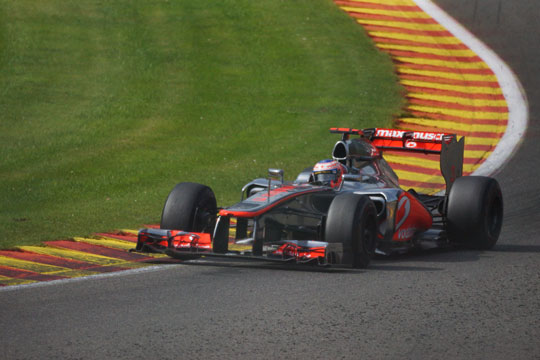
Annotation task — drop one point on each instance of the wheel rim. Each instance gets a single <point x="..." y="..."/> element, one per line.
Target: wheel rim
<point x="204" y="219"/>
<point x="204" y="216"/>
<point x="365" y="244"/>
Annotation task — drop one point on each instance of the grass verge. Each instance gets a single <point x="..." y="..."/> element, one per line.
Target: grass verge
<point x="105" y="106"/>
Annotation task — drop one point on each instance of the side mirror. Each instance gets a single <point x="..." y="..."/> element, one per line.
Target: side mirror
<point x="274" y="173"/>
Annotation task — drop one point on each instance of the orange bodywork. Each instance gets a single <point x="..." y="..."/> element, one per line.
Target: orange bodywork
<point x="411" y="218"/>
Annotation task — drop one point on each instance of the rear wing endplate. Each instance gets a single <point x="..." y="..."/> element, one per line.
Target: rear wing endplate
<point x="451" y="161"/>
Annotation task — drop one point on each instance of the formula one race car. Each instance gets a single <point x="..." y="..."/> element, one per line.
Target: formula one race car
<point x="341" y="211"/>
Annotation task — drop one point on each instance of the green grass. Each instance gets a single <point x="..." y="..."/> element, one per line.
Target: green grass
<point x="106" y="105"/>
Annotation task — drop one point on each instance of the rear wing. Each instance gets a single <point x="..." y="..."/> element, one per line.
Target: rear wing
<point x="422" y="141"/>
<point x="446" y="145"/>
<point x="400" y="140"/>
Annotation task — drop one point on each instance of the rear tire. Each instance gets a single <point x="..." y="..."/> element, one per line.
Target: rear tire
<point x="190" y="207"/>
<point x="352" y="221"/>
<point x="475" y="212"/>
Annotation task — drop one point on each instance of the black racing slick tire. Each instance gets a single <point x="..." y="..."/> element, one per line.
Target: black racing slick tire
<point x="475" y="212"/>
<point x="190" y="207"/>
<point x="352" y="221"/>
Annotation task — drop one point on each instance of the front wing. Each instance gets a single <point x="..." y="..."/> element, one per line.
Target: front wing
<point x="190" y="245"/>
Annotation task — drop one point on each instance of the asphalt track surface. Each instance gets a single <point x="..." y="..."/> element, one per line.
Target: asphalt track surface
<point x="440" y="304"/>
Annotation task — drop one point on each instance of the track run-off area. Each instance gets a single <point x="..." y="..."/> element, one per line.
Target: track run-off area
<point x="453" y="84"/>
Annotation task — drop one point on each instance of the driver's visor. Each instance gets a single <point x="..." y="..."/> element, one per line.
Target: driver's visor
<point x="325" y="176"/>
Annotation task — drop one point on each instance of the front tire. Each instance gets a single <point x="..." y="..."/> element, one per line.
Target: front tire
<point x="190" y="207"/>
<point x="475" y="212"/>
<point x="352" y="221"/>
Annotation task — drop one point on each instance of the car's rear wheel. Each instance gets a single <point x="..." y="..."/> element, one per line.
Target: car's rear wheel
<point x="352" y="221"/>
<point x="475" y="212"/>
<point x="190" y="207"/>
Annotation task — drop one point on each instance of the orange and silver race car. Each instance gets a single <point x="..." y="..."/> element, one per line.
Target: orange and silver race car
<point x="343" y="210"/>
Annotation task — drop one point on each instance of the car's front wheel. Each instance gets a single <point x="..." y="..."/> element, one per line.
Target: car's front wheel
<point x="352" y="221"/>
<point x="190" y="207"/>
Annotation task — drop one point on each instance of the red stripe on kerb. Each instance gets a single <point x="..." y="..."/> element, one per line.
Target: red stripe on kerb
<point x="367" y="5"/>
<point x="359" y="15"/>
<point x="442" y="92"/>
<point x="61" y="262"/>
<point x="438" y="80"/>
<point x="473" y="147"/>
<point x="46" y="259"/>
<point x="433" y="157"/>
<point x="423" y="157"/>
<point x="448" y="105"/>
<point x="414" y="168"/>
<point x="461" y="59"/>
<point x="393" y="29"/>
<point x="427" y="185"/>
<point x="491" y="135"/>
<point x="448" y="69"/>
<point x="384" y="40"/>
<point x="427" y="171"/>
<point x="473" y="161"/>
<point x="458" y="119"/>
<point x="98" y="250"/>
<point x="29" y="275"/>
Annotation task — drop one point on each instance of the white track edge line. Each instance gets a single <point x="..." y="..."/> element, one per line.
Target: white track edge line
<point x="150" y="268"/>
<point x="518" y="109"/>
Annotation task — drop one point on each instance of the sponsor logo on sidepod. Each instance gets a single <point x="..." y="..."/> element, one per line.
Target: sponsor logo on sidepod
<point x="405" y="204"/>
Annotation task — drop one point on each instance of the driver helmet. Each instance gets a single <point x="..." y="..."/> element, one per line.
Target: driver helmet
<point x="328" y="172"/>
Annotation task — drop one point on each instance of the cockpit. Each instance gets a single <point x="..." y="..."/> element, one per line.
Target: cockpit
<point x="364" y="163"/>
